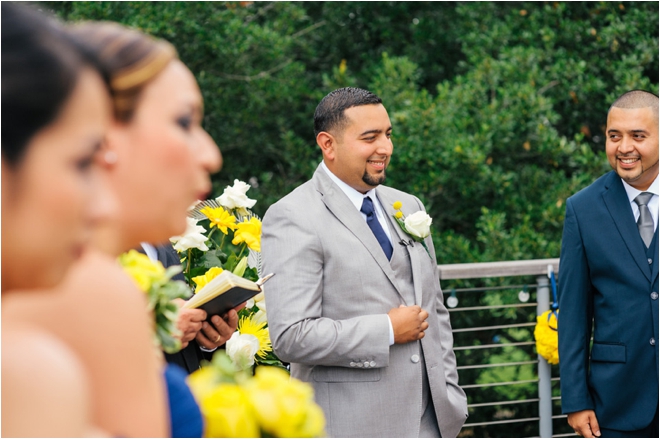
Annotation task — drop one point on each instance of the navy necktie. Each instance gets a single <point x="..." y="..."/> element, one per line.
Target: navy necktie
<point x="374" y="225"/>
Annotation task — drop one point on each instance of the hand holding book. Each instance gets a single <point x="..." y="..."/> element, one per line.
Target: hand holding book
<point x="224" y="292"/>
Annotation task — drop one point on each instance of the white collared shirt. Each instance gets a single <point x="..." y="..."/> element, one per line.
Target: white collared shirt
<point x="652" y="204"/>
<point x="150" y="251"/>
<point x="357" y="199"/>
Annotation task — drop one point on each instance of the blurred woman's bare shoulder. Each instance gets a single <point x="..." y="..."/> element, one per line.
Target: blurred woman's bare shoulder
<point x="102" y="316"/>
<point x="45" y="394"/>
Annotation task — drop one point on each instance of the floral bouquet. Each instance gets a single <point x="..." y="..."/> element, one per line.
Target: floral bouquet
<point x="224" y="234"/>
<point x="152" y="278"/>
<point x="269" y="404"/>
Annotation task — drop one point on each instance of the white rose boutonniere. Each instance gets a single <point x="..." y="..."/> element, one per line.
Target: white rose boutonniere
<point x="417" y="225"/>
<point x="234" y="197"/>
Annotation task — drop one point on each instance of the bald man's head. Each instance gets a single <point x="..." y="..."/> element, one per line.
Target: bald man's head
<point x="637" y="99"/>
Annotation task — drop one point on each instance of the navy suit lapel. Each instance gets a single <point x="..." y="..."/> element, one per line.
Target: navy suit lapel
<point x="654" y="274"/>
<point x="342" y="208"/>
<point x="617" y="203"/>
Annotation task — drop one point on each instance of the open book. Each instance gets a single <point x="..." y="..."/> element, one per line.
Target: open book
<point x="224" y="292"/>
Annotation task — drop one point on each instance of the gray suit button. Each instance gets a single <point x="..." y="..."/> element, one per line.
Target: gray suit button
<point x="654" y="295"/>
<point x="352" y="364"/>
<point x="415" y="358"/>
<point x="359" y="364"/>
<point x="650" y="261"/>
<point x="372" y="364"/>
<point x="366" y="364"/>
<point x="652" y="341"/>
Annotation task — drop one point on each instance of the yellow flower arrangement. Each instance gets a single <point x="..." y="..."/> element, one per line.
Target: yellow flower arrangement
<point x="284" y="406"/>
<point x="249" y="232"/>
<point x="205" y="253"/>
<point x="207" y="277"/>
<point x="247" y="325"/>
<point x="220" y="218"/>
<point x="141" y="269"/>
<point x="268" y="404"/>
<point x="155" y="281"/>
<point x="228" y="412"/>
<point x="545" y="334"/>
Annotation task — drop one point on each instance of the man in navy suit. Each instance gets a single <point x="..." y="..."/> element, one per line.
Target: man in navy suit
<point x="608" y="280"/>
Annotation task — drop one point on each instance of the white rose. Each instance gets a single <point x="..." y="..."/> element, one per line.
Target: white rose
<point x="255" y="301"/>
<point x="234" y="197"/>
<point x="418" y="224"/>
<point x="242" y="348"/>
<point x="193" y="237"/>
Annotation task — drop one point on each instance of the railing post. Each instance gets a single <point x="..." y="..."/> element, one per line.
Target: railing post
<point x="545" y="388"/>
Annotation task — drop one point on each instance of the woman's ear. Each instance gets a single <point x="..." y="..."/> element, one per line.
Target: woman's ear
<point x="327" y="143"/>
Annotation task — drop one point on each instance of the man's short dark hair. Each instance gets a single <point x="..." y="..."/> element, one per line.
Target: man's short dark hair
<point x="637" y="99"/>
<point x="329" y="114"/>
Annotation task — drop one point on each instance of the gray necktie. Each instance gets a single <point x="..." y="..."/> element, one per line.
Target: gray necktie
<point x="645" y="221"/>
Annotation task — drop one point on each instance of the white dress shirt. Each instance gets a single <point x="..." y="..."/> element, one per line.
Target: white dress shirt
<point x="652" y="204"/>
<point x="357" y="199"/>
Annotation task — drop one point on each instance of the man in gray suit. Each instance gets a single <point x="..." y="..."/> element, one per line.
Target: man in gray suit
<point x="356" y="305"/>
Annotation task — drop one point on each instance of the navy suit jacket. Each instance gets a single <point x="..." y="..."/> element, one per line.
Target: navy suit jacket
<point x="608" y="279"/>
<point x="188" y="358"/>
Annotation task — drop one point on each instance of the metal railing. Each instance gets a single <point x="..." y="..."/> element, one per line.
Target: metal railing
<point x="511" y="390"/>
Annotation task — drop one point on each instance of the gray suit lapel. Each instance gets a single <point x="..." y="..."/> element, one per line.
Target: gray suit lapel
<point x="342" y="208"/>
<point x="415" y="263"/>
<point x="616" y="200"/>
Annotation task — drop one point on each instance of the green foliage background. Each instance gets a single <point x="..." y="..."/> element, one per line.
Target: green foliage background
<point x="498" y="109"/>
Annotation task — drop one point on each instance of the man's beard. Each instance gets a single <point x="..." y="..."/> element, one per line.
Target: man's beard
<point x="373" y="181"/>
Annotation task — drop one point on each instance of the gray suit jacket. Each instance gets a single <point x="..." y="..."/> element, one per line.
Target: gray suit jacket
<point x="327" y="314"/>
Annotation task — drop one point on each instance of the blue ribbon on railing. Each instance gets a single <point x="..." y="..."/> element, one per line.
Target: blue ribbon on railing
<point x="555" y="305"/>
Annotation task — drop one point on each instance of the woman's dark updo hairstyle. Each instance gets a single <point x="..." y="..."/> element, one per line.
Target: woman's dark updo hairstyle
<point x="41" y="63"/>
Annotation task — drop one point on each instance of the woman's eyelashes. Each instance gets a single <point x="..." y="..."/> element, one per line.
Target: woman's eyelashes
<point x="185" y="122"/>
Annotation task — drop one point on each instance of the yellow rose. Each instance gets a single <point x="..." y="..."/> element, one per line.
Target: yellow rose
<point x="202" y="382"/>
<point x="141" y="269"/>
<point x="220" y="218"/>
<point x="207" y="277"/>
<point x="284" y="406"/>
<point x="248" y="232"/>
<point x="228" y="413"/>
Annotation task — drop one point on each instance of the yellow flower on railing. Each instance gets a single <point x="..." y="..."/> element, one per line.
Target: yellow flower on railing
<point x="545" y="334"/>
<point x="220" y="218"/>
<point x="249" y="232"/>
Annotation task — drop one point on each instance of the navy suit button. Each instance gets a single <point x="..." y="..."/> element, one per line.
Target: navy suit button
<point x="654" y="295"/>
<point x="652" y="341"/>
<point x="650" y="261"/>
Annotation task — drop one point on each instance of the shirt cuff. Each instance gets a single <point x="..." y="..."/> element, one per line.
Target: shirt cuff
<point x="391" y="331"/>
<point x="214" y="349"/>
